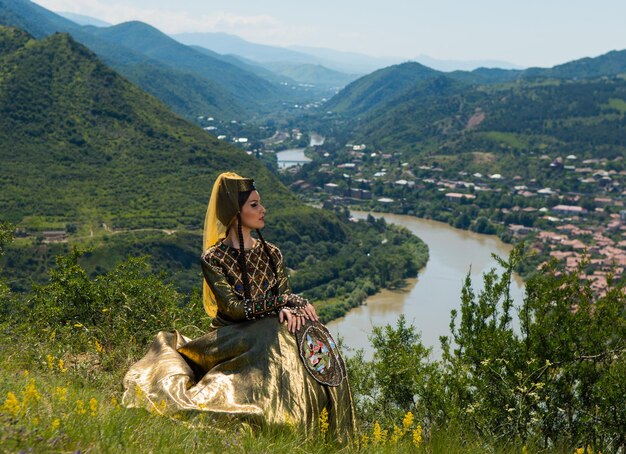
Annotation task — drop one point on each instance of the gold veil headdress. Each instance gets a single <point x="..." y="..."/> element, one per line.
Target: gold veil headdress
<point x="222" y="209"/>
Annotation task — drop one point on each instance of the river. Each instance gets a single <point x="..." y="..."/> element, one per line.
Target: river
<point x="427" y="300"/>
<point x="295" y="156"/>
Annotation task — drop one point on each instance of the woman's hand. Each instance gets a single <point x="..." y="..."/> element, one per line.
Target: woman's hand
<point x="294" y="322"/>
<point x="310" y="313"/>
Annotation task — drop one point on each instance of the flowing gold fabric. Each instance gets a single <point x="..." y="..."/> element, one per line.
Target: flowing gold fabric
<point x="248" y="370"/>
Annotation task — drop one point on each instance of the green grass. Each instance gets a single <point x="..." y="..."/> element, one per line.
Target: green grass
<point x="618" y="104"/>
<point x="516" y="141"/>
<point x="65" y="411"/>
<point x="62" y="410"/>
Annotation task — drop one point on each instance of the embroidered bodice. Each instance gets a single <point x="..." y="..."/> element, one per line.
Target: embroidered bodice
<point x="267" y="291"/>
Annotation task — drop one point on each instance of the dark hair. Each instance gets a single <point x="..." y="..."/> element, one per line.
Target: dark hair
<point x="241" y="257"/>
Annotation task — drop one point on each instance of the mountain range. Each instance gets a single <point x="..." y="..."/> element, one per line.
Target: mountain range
<point x="578" y="108"/>
<point x="190" y="82"/>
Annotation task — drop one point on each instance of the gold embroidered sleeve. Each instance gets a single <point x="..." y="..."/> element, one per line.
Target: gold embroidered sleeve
<point x="228" y="302"/>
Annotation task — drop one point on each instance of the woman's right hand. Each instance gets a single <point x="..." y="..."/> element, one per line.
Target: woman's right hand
<point x="294" y="322"/>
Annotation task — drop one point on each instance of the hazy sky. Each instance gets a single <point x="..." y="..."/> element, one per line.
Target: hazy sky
<point x="523" y="32"/>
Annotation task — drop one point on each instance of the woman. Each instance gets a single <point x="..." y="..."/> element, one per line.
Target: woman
<point x="266" y="358"/>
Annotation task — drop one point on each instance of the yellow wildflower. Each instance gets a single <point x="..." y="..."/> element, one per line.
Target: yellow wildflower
<point x="377" y="433"/>
<point x="323" y="421"/>
<point x="78" y="325"/>
<point x="30" y="393"/>
<point x="365" y="440"/>
<point x="159" y="408"/>
<point x="407" y="421"/>
<point x="34" y="421"/>
<point x="80" y="407"/>
<point x="53" y="335"/>
<point x="50" y="361"/>
<point x="11" y="404"/>
<point x="62" y="367"/>
<point x="93" y="406"/>
<point x="61" y="393"/>
<point x="396" y="435"/>
<point x="56" y="423"/>
<point x="114" y="402"/>
<point x="417" y="436"/>
<point x="524" y="450"/>
<point x="139" y="393"/>
<point x="98" y="345"/>
<point x="589" y="449"/>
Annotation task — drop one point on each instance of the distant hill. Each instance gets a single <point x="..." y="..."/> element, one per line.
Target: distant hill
<point x="609" y="64"/>
<point x="83" y="20"/>
<point x="379" y="88"/>
<point x="248" y="65"/>
<point x="388" y="86"/>
<point x="245" y="87"/>
<point x="316" y="75"/>
<point x="583" y="117"/>
<point x="348" y="62"/>
<point x="343" y="62"/>
<point x="187" y="93"/>
<point x="463" y="65"/>
<point x="224" y="43"/>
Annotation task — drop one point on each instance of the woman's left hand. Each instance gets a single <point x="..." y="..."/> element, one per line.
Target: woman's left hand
<point x="294" y="322"/>
<point x="310" y="313"/>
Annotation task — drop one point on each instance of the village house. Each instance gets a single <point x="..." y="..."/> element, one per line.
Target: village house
<point x="54" y="236"/>
<point x="331" y="188"/>
<point x="568" y="209"/>
<point x="457" y="197"/>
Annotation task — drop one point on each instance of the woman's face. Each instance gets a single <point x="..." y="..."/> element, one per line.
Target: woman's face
<point x="252" y="212"/>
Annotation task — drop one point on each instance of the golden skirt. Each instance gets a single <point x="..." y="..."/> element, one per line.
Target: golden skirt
<point x="249" y="371"/>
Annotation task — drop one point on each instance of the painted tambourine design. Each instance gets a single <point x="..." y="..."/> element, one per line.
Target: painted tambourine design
<point x="320" y="354"/>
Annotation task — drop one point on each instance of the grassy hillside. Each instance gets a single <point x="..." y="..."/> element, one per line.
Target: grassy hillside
<point x="85" y="151"/>
<point x="580" y="117"/>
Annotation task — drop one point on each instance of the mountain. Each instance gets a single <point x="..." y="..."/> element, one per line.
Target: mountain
<point x="248" y="65"/>
<point x="224" y="43"/>
<point x="609" y="64"/>
<point x="83" y="20"/>
<point x="379" y="88"/>
<point x="245" y="87"/>
<point x="388" y="86"/>
<point x="444" y="115"/>
<point x="284" y="65"/>
<point x="316" y="75"/>
<point x="463" y="65"/>
<point x="78" y="138"/>
<point x="186" y="93"/>
<point x="348" y="62"/>
<point x="342" y="62"/>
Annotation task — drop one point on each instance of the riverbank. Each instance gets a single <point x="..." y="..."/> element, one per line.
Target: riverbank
<point x="383" y="260"/>
<point x="427" y="300"/>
